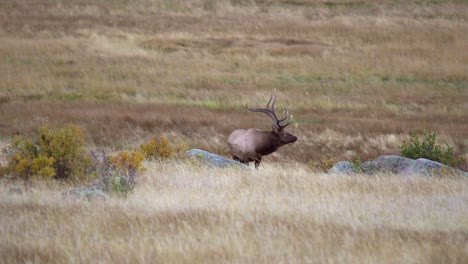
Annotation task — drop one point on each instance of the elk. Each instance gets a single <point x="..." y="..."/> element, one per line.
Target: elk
<point x="251" y="144"/>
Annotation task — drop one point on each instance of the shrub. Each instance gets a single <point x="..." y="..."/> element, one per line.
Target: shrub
<point x="67" y="146"/>
<point x="428" y="149"/>
<point x="58" y="153"/>
<point x="323" y="164"/>
<point x="25" y="160"/>
<point x="357" y="165"/>
<point x="123" y="169"/>
<point x="128" y="161"/>
<point x="118" y="183"/>
<point x="161" y="148"/>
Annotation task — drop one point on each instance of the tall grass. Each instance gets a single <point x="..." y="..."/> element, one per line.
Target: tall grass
<point x="357" y="75"/>
<point x="282" y="213"/>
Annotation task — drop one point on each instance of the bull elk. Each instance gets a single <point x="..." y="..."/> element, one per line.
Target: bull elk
<point x="251" y="144"/>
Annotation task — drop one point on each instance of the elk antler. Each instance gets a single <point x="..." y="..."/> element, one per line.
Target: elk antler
<point x="270" y="112"/>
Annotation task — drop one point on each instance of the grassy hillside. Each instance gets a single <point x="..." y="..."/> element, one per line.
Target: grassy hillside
<point x="357" y="76"/>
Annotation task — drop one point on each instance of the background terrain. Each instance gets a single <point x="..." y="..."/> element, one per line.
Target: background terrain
<point x="358" y="76"/>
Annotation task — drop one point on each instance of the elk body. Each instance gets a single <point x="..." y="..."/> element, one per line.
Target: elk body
<point x="251" y="144"/>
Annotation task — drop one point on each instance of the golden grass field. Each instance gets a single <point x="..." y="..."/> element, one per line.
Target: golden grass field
<point x="358" y="76"/>
<point x="283" y="213"/>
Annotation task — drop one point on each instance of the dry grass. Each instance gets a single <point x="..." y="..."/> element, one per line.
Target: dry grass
<point x="323" y="134"/>
<point x="125" y="70"/>
<point x="282" y="213"/>
<point x="357" y="75"/>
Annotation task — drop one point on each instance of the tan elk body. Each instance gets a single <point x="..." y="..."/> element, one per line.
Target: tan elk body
<point x="251" y="144"/>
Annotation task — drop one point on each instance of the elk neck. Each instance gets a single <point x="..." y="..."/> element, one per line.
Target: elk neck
<point x="270" y="143"/>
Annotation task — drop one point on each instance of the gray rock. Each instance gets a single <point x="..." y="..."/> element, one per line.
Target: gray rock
<point x="15" y="190"/>
<point x="369" y="167"/>
<point x="213" y="159"/>
<point x="399" y="165"/>
<point x="89" y="192"/>
<point x="427" y="167"/>
<point x="342" y="167"/>
<point x="392" y="163"/>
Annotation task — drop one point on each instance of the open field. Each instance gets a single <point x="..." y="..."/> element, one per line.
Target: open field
<point x="182" y="213"/>
<point x="358" y="76"/>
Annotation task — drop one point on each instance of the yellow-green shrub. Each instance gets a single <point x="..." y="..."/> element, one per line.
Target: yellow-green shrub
<point x="121" y="177"/>
<point x="26" y="161"/>
<point x="427" y="148"/>
<point x="160" y="148"/>
<point x="66" y="145"/>
<point x="323" y="164"/>
<point x="55" y="152"/>
<point x="128" y="160"/>
<point x="42" y="166"/>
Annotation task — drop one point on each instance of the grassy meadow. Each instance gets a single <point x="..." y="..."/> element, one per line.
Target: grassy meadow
<point x="283" y="213"/>
<point x="358" y="77"/>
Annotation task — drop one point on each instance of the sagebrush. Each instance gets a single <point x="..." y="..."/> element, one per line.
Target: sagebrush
<point x="427" y="148"/>
<point x="161" y="148"/>
<point x="123" y="168"/>
<point x="58" y="153"/>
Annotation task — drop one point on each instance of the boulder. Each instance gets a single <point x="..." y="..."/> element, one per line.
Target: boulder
<point x="213" y="159"/>
<point x="427" y="167"/>
<point x="369" y="167"/>
<point x="399" y="165"/>
<point x="342" y="167"/>
<point x="15" y="190"/>
<point x="391" y="163"/>
<point x="88" y="192"/>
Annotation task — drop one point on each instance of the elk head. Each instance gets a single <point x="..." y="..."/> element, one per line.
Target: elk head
<point x="278" y="125"/>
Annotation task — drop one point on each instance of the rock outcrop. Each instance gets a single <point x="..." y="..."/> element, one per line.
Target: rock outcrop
<point x="398" y="165"/>
<point x="88" y="192"/>
<point x="213" y="159"/>
<point x="342" y="167"/>
<point x="432" y="168"/>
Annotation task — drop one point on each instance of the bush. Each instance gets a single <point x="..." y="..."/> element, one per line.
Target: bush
<point x="161" y="148"/>
<point x="26" y="160"/>
<point x="428" y="149"/>
<point x="323" y="164"/>
<point x="58" y="153"/>
<point x="357" y="165"/>
<point x="128" y="161"/>
<point x="67" y="146"/>
<point x="119" y="183"/>
<point x="122" y="171"/>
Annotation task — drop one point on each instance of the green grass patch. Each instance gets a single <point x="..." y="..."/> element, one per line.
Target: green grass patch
<point x="31" y="97"/>
<point x="328" y="4"/>
<point x="72" y="96"/>
<point x="457" y="84"/>
<point x="350" y="4"/>
<point x="232" y="80"/>
<point x="308" y="120"/>
<point x="212" y="104"/>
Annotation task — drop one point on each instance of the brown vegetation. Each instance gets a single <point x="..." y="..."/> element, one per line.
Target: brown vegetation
<point x="281" y="213"/>
<point x="357" y="75"/>
<point x="127" y="70"/>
